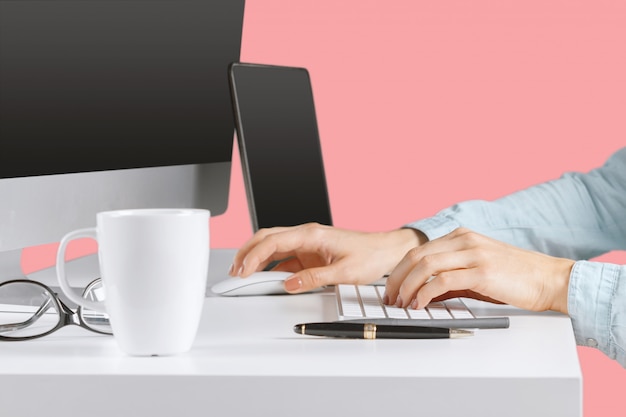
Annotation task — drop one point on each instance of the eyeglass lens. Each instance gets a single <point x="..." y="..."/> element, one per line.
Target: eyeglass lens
<point x="95" y="320"/>
<point x="27" y="310"/>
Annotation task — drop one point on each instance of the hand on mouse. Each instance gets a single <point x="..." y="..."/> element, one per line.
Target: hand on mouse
<point x="324" y="255"/>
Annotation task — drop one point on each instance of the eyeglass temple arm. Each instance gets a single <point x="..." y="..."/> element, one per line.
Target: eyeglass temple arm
<point x="40" y="312"/>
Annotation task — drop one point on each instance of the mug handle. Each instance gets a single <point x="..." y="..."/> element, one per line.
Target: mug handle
<point x="62" y="278"/>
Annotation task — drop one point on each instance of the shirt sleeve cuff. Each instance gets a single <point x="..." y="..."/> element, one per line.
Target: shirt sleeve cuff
<point x="435" y="227"/>
<point x="590" y="297"/>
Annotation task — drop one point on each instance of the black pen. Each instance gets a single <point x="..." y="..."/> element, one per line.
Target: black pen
<point x="374" y="331"/>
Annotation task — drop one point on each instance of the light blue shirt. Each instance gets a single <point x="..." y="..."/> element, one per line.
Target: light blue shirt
<point x="578" y="216"/>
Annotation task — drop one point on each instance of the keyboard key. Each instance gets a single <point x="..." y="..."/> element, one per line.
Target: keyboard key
<point x="372" y="304"/>
<point x="438" y="310"/>
<point x="458" y="309"/>
<point x="396" y="313"/>
<point x="418" y="314"/>
<point x="350" y="302"/>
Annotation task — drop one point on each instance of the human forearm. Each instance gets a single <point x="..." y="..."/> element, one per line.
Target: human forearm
<point x="578" y="216"/>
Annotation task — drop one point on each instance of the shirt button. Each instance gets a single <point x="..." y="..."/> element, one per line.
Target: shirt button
<point x="592" y="343"/>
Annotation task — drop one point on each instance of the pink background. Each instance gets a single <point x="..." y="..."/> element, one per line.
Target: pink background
<point x="422" y="104"/>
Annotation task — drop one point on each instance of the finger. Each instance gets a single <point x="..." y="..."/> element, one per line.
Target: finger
<point x="445" y="244"/>
<point x="429" y="269"/>
<point x="278" y="245"/>
<point x="258" y="237"/>
<point x="312" y="278"/>
<point x="454" y="281"/>
<point x="266" y="248"/>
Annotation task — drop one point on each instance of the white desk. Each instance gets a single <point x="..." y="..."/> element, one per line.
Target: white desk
<point x="247" y="361"/>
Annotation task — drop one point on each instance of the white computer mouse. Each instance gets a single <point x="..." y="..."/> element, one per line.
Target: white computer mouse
<point x="259" y="283"/>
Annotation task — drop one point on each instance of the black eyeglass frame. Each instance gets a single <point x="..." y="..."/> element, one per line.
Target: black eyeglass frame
<point x="67" y="316"/>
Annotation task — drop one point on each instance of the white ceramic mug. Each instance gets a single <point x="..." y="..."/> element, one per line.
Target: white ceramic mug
<point x="154" y="265"/>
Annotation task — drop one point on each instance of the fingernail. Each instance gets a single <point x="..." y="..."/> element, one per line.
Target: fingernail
<point x="240" y="270"/>
<point x="399" y="301"/>
<point x="414" y="304"/>
<point x="231" y="269"/>
<point x="293" y="284"/>
<point x="385" y="299"/>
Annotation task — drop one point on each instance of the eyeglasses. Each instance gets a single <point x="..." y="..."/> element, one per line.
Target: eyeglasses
<point x="30" y="309"/>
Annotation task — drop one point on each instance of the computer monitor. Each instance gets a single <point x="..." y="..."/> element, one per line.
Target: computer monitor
<point x="111" y="104"/>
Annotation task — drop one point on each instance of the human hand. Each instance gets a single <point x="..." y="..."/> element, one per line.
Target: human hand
<point x="324" y="255"/>
<point x="467" y="264"/>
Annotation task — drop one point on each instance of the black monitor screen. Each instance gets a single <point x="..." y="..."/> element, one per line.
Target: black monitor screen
<point x="90" y="85"/>
<point x="280" y="145"/>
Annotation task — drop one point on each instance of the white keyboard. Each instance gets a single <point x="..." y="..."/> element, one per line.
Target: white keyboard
<point x="364" y="304"/>
<point x="365" y="301"/>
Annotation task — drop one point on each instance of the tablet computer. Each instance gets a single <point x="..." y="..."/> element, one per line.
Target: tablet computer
<point x="279" y="145"/>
